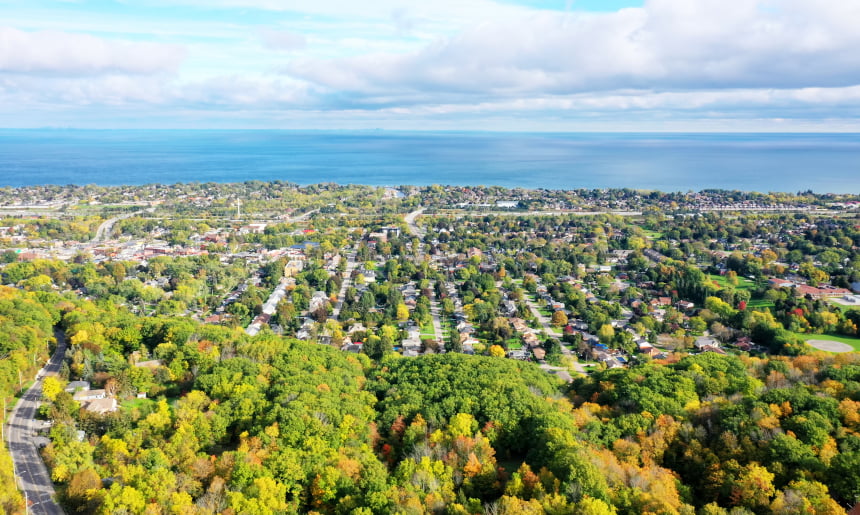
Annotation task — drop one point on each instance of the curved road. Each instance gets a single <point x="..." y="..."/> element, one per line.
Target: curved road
<point x="414" y="229"/>
<point x="106" y="227"/>
<point x="33" y="478"/>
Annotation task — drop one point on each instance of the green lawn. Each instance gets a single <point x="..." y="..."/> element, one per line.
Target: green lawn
<point x="843" y="308"/>
<point x="760" y="303"/>
<point x="654" y="235"/>
<point x="743" y="284"/>
<point x="135" y="403"/>
<point x="722" y="282"/>
<point x="853" y="342"/>
<point x="428" y="330"/>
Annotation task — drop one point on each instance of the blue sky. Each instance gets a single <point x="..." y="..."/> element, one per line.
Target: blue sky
<point x="556" y="65"/>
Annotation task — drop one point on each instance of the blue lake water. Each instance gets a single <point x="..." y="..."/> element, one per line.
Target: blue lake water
<point x="669" y="162"/>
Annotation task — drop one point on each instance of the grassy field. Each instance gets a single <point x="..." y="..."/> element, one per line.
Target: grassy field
<point x="843" y="307"/>
<point x="760" y="303"/>
<point x="853" y="342"/>
<point x="654" y="235"/>
<point x="743" y="284"/>
<point x="722" y="282"/>
<point x="135" y="403"/>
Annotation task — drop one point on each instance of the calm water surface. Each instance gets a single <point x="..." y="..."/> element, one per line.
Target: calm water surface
<point x="668" y="162"/>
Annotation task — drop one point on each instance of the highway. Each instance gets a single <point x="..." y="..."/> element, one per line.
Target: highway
<point x="33" y="478"/>
<point x="414" y="229"/>
<point x="104" y="230"/>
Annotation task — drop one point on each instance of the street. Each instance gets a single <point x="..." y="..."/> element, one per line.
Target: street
<point x="351" y="264"/>
<point x="547" y="327"/>
<point x="269" y="309"/>
<point x="33" y="478"/>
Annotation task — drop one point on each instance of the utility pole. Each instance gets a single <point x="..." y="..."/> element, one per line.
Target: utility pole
<point x="238" y="208"/>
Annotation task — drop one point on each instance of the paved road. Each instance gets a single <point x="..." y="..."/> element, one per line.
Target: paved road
<point x="414" y="230"/>
<point x="106" y="227"/>
<point x="268" y="309"/>
<point x="547" y="326"/>
<point x="436" y="312"/>
<point x="347" y="282"/>
<point x="33" y="478"/>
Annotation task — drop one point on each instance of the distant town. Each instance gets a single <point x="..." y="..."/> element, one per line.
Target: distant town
<point x="155" y="283"/>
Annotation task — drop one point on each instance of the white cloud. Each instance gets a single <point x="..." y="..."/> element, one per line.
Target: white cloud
<point x="282" y="39"/>
<point x="666" y="45"/>
<point x="69" y="54"/>
<point x="453" y="60"/>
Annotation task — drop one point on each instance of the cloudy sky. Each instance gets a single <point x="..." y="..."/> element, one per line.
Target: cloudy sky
<point x="701" y="65"/>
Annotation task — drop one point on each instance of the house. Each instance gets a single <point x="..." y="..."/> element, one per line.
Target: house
<point x="519" y="325"/>
<point x="75" y="386"/>
<point x="215" y="319"/>
<point x="413" y="338"/>
<point x="744" y="343"/>
<point x="465" y="327"/>
<point x="519" y="354"/>
<point x="101" y="406"/>
<point x="647" y="349"/>
<point x="706" y="341"/>
<point x="89" y="395"/>
<point x="151" y="364"/>
<point x="579" y="325"/>
<point x="304" y="333"/>
<point x="355" y="348"/>
<point x="318" y="301"/>
<point x="609" y="360"/>
<point x="802" y="290"/>
<point x="255" y="228"/>
<point x="469" y="345"/>
<point x="357" y="327"/>
<point x="293" y="267"/>
<point x="684" y="305"/>
<point x="531" y="340"/>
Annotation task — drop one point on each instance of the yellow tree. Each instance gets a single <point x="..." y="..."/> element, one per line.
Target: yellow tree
<point x="402" y="313"/>
<point x="559" y="319"/>
<point x="51" y="386"/>
<point x="754" y="488"/>
<point x="497" y="351"/>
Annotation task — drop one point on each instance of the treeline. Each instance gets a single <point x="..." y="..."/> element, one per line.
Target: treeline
<point x="26" y="338"/>
<point x="776" y="435"/>
<point x="235" y="424"/>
